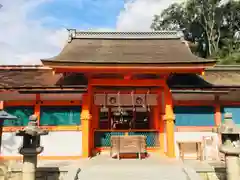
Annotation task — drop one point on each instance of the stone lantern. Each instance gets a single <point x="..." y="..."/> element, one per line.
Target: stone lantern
<point x="30" y="147"/>
<point x="230" y="146"/>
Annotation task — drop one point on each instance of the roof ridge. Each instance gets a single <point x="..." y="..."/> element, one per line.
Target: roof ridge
<point x="74" y="34"/>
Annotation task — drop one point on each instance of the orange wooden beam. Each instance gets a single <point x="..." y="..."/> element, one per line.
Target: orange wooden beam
<point x="61" y="103"/>
<point x="127" y="76"/>
<point x="19" y="103"/>
<point x="205" y="103"/>
<point x="136" y="69"/>
<point x="43" y="103"/>
<point x="126" y="82"/>
<point x="136" y="91"/>
<point x="229" y="103"/>
<point x="194" y="102"/>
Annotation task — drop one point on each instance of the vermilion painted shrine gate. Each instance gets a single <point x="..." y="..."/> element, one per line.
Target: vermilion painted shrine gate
<point x="118" y="83"/>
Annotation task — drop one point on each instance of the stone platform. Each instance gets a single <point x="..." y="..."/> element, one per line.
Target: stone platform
<point x="104" y="167"/>
<point x="155" y="167"/>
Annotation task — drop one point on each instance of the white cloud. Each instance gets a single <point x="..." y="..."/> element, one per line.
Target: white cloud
<point x="138" y="14"/>
<point x="26" y="41"/>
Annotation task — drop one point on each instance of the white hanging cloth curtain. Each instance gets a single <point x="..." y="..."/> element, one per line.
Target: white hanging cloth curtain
<point x="104" y="108"/>
<point x="133" y="102"/>
<point x="146" y="100"/>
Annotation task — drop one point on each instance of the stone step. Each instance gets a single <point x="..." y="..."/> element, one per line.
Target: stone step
<point x="105" y="168"/>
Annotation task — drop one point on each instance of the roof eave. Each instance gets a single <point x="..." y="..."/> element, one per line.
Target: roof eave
<point x="50" y="62"/>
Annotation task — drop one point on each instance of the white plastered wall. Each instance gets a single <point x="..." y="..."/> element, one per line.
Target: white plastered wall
<point x="189" y="136"/>
<point x="10" y="144"/>
<point x="61" y="143"/>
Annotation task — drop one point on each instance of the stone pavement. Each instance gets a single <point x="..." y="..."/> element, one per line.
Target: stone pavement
<point x="103" y="167"/>
<point x="153" y="168"/>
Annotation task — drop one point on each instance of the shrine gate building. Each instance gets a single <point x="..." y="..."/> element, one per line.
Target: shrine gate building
<point x="117" y="83"/>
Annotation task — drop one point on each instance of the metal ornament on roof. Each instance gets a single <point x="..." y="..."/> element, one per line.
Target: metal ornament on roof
<point x="74" y="34"/>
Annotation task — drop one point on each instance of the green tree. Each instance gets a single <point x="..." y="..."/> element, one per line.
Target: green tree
<point x="208" y="25"/>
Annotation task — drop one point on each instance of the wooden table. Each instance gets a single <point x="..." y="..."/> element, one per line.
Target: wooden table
<point x="182" y="150"/>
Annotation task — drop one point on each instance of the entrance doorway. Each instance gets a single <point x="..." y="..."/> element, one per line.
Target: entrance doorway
<point x="125" y="118"/>
<point x="125" y="115"/>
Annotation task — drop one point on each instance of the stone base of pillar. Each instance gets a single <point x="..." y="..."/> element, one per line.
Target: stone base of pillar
<point x="29" y="167"/>
<point x="232" y="161"/>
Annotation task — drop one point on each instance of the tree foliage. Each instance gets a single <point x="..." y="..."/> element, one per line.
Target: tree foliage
<point x="211" y="27"/>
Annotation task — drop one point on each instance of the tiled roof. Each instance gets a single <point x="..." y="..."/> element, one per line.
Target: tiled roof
<point x="223" y="75"/>
<point x="160" y="47"/>
<point x="21" y="77"/>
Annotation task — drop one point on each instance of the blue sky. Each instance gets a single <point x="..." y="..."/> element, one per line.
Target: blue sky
<point x="80" y="14"/>
<point x="35" y="29"/>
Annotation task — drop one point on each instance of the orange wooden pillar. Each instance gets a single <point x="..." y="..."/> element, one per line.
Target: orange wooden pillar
<point x="156" y="121"/>
<point x="1" y="105"/>
<point x="37" y="108"/>
<point x="86" y="124"/>
<point x="218" y="118"/>
<point x="159" y="120"/>
<point x="94" y="125"/>
<point x="169" y="118"/>
<point x="218" y="115"/>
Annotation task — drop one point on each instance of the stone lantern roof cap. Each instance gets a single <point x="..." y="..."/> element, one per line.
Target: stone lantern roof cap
<point x="4" y="115"/>
<point x="228" y="127"/>
<point x="32" y="129"/>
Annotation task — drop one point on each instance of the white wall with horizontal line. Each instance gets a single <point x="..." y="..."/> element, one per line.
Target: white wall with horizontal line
<point x="61" y="143"/>
<point x="191" y="137"/>
<point x="10" y="144"/>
